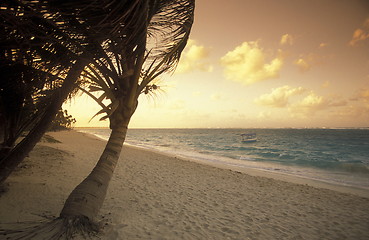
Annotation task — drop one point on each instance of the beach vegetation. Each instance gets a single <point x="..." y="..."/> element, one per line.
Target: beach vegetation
<point x="38" y="52"/>
<point x="62" y="121"/>
<point x="44" y="42"/>
<point x="116" y="50"/>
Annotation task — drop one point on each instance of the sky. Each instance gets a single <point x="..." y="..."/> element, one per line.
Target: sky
<point x="262" y="64"/>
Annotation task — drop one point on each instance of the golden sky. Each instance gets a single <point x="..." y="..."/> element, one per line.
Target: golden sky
<point x="264" y="63"/>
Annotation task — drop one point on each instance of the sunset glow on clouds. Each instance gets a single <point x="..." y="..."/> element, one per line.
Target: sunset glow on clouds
<point x="287" y="39"/>
<point x="313" y="103"/>
<point x="302" y="64"/>
<point x="194" y="58"/>
<point x="248" y="64"/>
<point x="290" y="64"/>
<point x="279" y="97"/>
<point x="299" y="101"/>
<point x="360" y="34"/>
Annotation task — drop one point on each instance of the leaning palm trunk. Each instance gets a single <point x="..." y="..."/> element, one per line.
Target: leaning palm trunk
<point x="87" y="198"/>
<point x="16" y="156"/>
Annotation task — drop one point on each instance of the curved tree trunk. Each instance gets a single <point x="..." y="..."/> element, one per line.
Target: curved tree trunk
<point x="87" y="198"/>
<point x="16" y="156"/>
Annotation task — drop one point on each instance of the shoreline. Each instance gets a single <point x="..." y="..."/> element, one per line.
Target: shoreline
<point x="337" y="180"/>
<point x="156" y="196"/>
<point x="240" y="166"/>
<point x="234" y="166"/>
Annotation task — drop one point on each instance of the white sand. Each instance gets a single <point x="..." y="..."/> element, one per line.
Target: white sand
<point x="154" y="196"/>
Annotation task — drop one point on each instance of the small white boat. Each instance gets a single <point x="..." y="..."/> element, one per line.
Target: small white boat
<point x="248" y="137"/>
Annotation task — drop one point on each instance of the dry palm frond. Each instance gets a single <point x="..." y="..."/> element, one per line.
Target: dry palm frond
<point x="60" y="228"/>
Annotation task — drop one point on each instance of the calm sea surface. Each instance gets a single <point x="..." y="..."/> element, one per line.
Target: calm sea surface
<point x="338" y="156"/>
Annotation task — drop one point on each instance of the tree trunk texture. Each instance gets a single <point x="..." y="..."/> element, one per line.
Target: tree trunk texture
<point x="16" y="156"/>
<point x="87" y="198"/>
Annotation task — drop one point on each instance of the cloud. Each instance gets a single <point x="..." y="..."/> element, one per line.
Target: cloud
<point x="356" y="112"/>
<point x="360" y="34"/>
<point x="313" y="103"/>
<point x="299" y="101"/>
<point x="358" y="108"/>
<point x="322" y="45"/>
<point x="364" y="94"/>
<point x="279" y="97"/>
<point x="303" y="65"/>
<point x="287" y="39"/>
<point x="193" y="58"/>
<point x="247" y="64"/>
<point x="306" y="62"/>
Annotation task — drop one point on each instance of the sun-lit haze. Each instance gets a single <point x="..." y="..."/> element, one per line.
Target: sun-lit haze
<point x="262" y="63"/>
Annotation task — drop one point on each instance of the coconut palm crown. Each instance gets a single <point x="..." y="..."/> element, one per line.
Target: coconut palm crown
<point x="147" y="42"/>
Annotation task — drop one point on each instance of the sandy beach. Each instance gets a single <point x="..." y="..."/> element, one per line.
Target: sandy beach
<point x="156" y="196"/>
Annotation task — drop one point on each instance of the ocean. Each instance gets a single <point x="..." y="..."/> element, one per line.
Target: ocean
<point x="335" y="156"/>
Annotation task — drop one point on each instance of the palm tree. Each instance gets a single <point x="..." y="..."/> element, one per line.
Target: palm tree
<point x="42" y="41"/>
<point x="131" y="63"/>
<point x="138" y="40"/>
<point x="33" y="75"/>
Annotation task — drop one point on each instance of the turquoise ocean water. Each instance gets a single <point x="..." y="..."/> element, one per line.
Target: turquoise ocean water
<point x="336" y="156"/>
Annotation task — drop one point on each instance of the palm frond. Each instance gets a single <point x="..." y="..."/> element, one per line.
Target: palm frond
<point x="169" y="29"/>
<point x="170" y="26"/>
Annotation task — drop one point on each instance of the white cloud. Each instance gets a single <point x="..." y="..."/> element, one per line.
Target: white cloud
<point x="306" y="62"/>
<point x="287" y="39"/>
<point x="247" y="64"/>
<point x="194" y="58"/>
<point x="313" y="103"/>
<point x="360" y="34"/>
<point x="279" y="97"/>
<point x="299" y="101"/>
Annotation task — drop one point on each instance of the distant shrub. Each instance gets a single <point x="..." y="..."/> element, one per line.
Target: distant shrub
<point x="62" y="121"/>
